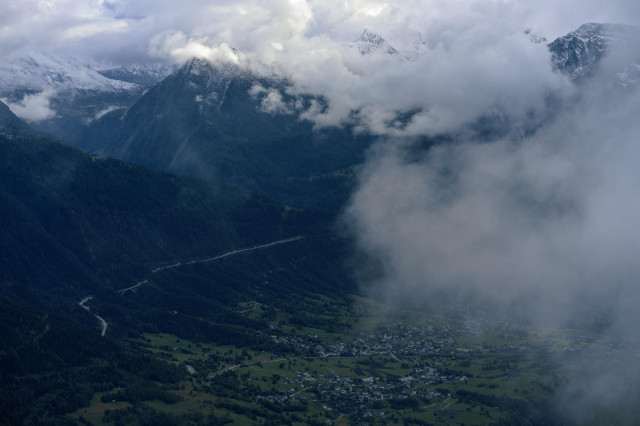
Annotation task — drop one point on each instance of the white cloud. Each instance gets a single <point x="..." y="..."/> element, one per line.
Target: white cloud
<point x="545" y="223"/>
<point x="94" y="28"/>
<point x="471" y="61"/>
<point x="178" y="47"/>
<point x="104" y="111"/>
<point x="474" y="57"/>
<point x="272" y="101"/>
<point x="34" y="107"/>
<point x="539" y="228"/>
<point x="250" y="25"/>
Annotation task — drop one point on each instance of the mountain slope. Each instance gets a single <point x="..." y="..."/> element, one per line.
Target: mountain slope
<point x="73" y="226"/>
<point x="10" y="124"/>
<point x="39" y="71"/>
<point x="221" y="123"/>
<point x="68" y="214"/>
<point x="580" y="52"/>
<point x="370" y="43"/>
<point x="60" y="95"/>
<point x="147" y="75"/>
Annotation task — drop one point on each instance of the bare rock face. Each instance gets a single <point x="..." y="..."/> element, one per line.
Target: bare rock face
<point x="579" y="53"/>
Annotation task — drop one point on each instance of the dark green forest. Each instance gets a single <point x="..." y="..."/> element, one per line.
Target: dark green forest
<point x="74" y="225"/>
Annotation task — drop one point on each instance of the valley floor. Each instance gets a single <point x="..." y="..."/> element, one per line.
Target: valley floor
<point x="404" y="368"/>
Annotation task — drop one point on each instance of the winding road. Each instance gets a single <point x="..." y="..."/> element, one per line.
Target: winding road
<point x="103" y="323"/>
<point x="193" y="262"/>
<point x="288" y="240"/>
<point x="132" y="288"/>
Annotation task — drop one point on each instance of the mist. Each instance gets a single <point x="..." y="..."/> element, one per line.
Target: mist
<point x="540" y="228"/>
<point x="454" y="63"/>
<point x="33" y="107"/>
<point x="457" y="59"/>
<point x="547" y="218"/>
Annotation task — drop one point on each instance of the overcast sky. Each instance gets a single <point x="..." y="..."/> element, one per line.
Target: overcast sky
<point x="475" y="46"/>
<point x="126" y="29"/>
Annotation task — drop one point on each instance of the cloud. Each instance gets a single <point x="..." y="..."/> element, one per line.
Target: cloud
<point x="108" y="27"/>
<point x="545" y="223"/>
<point x="470" y="59"/>
<point x="177" y="46"/>
<point x="104" y="111"/>
<point x="468" y="63"/>
<point x="94" y="28"/>
<point x="34" y="107"/>
<point x="273" y="102"/>
<point x="541" y="225"/>
<point x="473" y="57"/>
<point x="60" y="24"/>
<point x="297" y="36"/>
<point x="540" y="228"/>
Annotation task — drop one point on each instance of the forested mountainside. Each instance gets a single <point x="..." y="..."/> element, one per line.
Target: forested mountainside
<point x="77" y="228"/>
<point x="225" y="124"/>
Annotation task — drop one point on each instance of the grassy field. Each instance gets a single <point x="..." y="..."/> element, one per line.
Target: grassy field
<point x="95" y="412"/>
<point x="480" y="377"/>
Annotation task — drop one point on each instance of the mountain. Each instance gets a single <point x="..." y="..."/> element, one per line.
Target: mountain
<point x="370" y="43"/>
<point x="37" y="71"/>
<point x="147" y="75"/>
<point x="74" y="223"/>
<point x="576" y="54"/>
<point x="223" y="123"/>
<point x="145" y="251"/>
<point x="589" y="55"/>
<point x="10" y="124"/>
<point x="226" y="124"/>
<point x="99" y="256"/>
<point x="60" y="95"/>
<point x="579" y="53"/>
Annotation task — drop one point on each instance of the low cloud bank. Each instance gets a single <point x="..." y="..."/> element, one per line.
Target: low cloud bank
<point x="466" y="57"/>
<point x="546" y="221"/>
<point x="541" y="228"/>
<point x="34" y="107"/>
<point x="453" y="65"/>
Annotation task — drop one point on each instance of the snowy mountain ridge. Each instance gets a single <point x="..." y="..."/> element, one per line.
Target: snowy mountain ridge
<point x="579" y="51"/>
<point x="370" y="43"/>
<point x="39" y="71"/>
<point x="574" y="54"/>
<point x="61" y="94"/>
<point x="147" y="75"/>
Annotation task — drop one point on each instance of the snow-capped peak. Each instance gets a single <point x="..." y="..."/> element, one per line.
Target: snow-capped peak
<point x="369" y="43"/>
<point x="37" y="71"/>
<point x="578" y="51"/>
<point x="147" y="75"/>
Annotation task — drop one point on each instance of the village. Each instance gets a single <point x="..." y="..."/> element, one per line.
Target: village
<point x="379" y="372"/>
<point x="448" y="370"/>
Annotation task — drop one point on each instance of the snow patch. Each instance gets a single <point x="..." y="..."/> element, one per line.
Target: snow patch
<point x="370" y="43"/>
<point x="38" y="71"/>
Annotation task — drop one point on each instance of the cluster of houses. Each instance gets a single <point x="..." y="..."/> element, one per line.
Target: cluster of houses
<point x="366" y="383"/>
